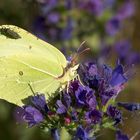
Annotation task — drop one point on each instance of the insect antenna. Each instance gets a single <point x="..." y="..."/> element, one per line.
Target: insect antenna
<point x="81" y="46"/>
<point x="79" y="52"/>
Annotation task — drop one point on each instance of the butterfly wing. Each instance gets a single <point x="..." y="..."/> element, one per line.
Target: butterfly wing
<point x="26" y="60"/>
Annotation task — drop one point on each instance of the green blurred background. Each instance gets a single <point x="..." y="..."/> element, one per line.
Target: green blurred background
<point x="22" y="13"/>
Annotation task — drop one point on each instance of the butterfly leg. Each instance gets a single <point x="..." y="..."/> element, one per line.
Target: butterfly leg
<point x="31" y="88"/>
<point x="68" y="86"/>
<point x="78" y="78"/>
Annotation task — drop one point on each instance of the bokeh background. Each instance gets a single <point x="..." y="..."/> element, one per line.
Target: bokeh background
<point x="109" y="27"/>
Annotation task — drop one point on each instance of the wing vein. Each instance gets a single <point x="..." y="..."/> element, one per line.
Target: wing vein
<point x="37" y="69"/>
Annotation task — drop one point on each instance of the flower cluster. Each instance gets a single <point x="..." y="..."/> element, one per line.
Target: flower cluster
<point x="115" y="24"/>
<point x="85" y="107"/>
<point x="128" y="56"/>
<point x="64" y="23"/>
<point x="61" y="21"/>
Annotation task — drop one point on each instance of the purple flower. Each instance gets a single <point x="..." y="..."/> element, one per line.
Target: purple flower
<point x="106" y="73"/>
<point x="48" y="5"/>
<point x="107" y="93"/>
<point x="121" y="136"/>
<point x="118" y="77"/>
<point x="39" y="102"/>
<point x="66" y="33"/>
<point x="32" y="116"/>
<point x="113" y="26"/>
<point x="55" y="134"/>
<point x="85" y="96"/>
<point x="81" y="134"/>
<point x="133" y="58"/>
<point x="126" y="10"/>
<point x="93" y="116"/>
<point x="74" y="86"/>
<point x="67" y="99"/>
<point x="69" y="4"/>
<point x="125" y="46"/>
<point x="92" y="69"/>
<point x="111" y="83"/>
<point x="105" y="81"/>
<point x="129" y="106"/>
<point x="74" y="115"/>
<point x="108" y="3"/>
<point x="93" y="6"/>
<point x="18" y="114"/>
<point x="114" y="113"/>
<point x="81" y="95"/>
<point x="105" y="53"/>
<point x="53" y="17"/>
<point x="106" y="96"/>
<point x="127" y="56"/>
<point x="89" y="75"/>
<point x="61" y="107"/>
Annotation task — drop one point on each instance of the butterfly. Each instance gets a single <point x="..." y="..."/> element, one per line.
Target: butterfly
<point x="29" y="64"/>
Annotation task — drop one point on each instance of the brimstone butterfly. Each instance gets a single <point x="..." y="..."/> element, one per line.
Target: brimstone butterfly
<point x="26" y="60"/>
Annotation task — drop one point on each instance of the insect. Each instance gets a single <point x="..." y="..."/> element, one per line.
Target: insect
<point x="9" y="33"/>
<point x="129" y="106"/>
<point x="26" y="62"/>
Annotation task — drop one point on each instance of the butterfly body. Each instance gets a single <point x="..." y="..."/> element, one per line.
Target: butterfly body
<point x="26" y="60"/>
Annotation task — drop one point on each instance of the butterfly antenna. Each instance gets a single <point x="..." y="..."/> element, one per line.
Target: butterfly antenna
<point x="75" y="57"/>
<point x="81" y="45"/>
<point x="31" y="88"/>
<point x="85" y="50"/>
<point x="79" y="53"/>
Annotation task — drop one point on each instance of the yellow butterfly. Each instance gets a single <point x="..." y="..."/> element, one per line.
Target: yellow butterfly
<point x="26" y="61"/>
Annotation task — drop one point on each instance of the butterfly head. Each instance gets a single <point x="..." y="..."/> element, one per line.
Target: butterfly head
<point x="70" y="71"/>
<point x="74" y="60"/>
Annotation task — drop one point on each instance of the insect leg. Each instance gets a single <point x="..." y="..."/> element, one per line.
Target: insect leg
<point x="78" y="77"/>
<point x="31" y="88"/>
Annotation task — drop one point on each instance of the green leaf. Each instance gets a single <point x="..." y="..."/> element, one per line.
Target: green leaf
<point x="64" y="135"/>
